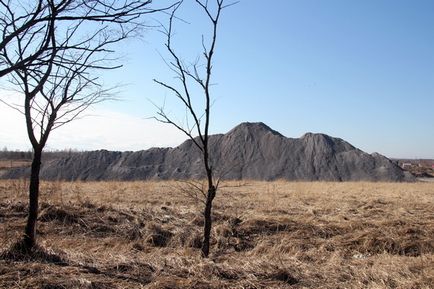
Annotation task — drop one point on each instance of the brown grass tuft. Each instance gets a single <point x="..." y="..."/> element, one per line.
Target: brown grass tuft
<point x="53" y="213"/>
<point x="157" y="236"/>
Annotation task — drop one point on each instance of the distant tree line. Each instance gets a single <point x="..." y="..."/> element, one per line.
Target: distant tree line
<point x="27" y="155"/>
<point x="6" y="154"/>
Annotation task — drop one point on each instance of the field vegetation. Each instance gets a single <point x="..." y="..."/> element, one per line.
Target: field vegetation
<point x="265" y="235"/>
<point x="8" y="164"/>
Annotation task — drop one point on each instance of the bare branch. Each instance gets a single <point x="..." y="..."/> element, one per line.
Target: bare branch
<point x="29" y="24"/>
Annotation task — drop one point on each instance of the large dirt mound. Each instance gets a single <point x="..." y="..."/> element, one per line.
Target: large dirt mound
<point x="249" y="151"/>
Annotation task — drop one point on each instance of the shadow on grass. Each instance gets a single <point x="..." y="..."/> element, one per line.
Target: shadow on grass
<point x="19" y="252"/>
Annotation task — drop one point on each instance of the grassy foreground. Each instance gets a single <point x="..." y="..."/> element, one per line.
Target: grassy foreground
<point x="265" y="235"/>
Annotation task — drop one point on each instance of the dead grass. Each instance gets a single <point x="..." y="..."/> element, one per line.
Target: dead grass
<point x="265" y="235"/>
<point x="8" y="164"/>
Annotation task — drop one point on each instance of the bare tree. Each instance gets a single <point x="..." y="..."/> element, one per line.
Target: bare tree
<point x="190" y="77"/>
<point x="29" y="22"/>
<point x="54" y="61"/>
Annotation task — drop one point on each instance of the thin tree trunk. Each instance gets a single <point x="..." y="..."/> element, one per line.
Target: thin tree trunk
<point x="30" y="229"/>
<point x="208" y="221"/>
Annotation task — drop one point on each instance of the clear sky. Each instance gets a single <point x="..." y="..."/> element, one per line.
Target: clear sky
<point x="359" y="70"/>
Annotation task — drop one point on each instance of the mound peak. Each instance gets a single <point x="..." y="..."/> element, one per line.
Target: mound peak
<point x="256" y="128"/>
<point x="314" y="135"/>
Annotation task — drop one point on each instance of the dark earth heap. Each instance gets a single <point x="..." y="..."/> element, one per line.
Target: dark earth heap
<point x="249" y="151"/>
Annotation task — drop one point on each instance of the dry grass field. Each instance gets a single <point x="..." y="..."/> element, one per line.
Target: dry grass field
<point x="265" y="235"/>
<point x="7" y="164"/>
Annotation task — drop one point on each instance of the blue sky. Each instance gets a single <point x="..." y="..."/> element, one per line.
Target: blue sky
<point x="359" y="70"/>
